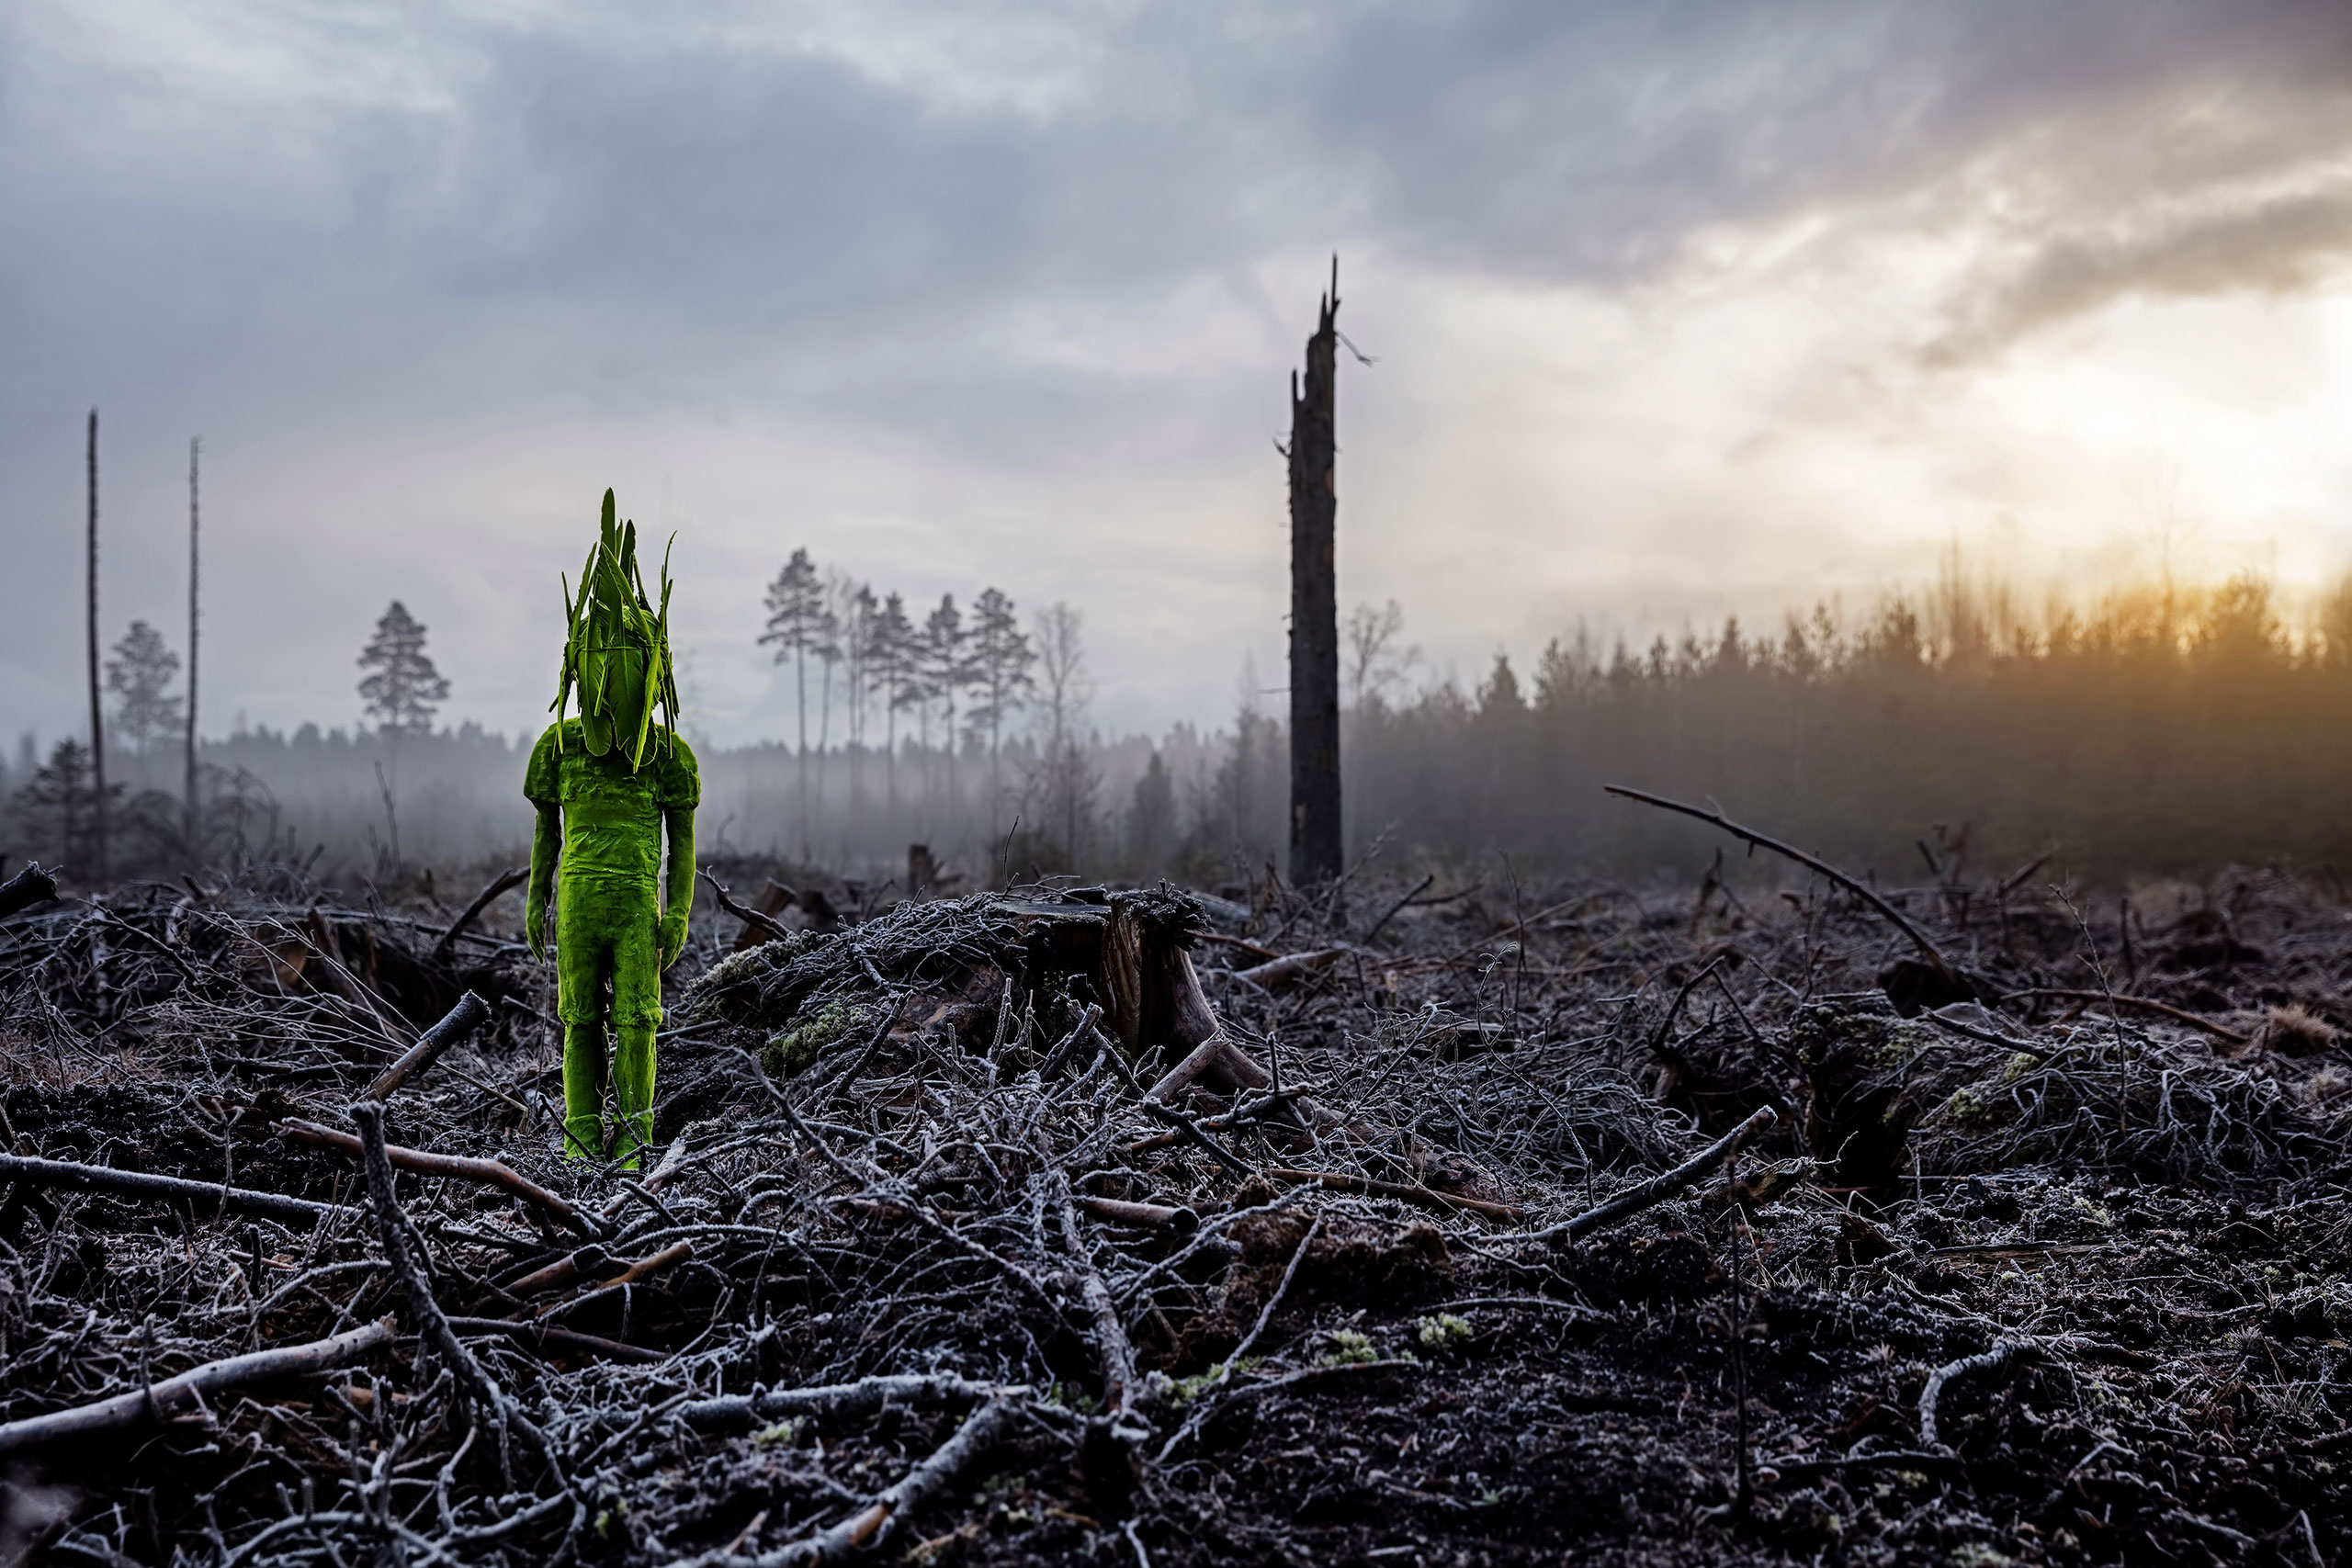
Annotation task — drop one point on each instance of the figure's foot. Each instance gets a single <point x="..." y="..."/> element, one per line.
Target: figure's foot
<point x="583" y="1137"/>
<point x="631" y="1135"/>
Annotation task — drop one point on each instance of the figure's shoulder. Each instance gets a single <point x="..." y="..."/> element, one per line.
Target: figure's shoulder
<point x="540" y="775"/>
<point x="678" y="777"/>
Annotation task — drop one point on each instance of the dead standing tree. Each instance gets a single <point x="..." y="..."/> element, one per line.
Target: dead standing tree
<point x="193" y="850"/>
<point x="98" y="713"/>
<point x="1314" y="843"/>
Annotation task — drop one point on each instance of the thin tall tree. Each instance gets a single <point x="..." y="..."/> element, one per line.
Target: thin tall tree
<point x="190" y="827"/>
<point x="797" y="626"/>
<point x="890" y="646"/>
<point x="946" y="672"/>
<point x="1001" y="660"/>
<point x="98" y="713"/>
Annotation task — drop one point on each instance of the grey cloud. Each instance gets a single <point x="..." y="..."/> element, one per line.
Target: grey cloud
<point x="589" y="210"/>
<point x="2278" y="245"/>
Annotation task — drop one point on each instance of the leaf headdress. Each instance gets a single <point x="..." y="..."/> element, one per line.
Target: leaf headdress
<point x="617" y="650"/>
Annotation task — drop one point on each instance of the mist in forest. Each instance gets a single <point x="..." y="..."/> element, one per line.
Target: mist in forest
<point x="2161" y="730"/>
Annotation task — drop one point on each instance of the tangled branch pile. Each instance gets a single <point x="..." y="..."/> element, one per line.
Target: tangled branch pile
<point x="1016" y="1227"/>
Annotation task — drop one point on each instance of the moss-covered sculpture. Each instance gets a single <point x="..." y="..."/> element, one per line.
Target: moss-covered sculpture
<point x="607" y="784"/>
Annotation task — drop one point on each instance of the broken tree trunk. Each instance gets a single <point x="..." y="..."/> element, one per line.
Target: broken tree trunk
<point x="1315" y="846"/>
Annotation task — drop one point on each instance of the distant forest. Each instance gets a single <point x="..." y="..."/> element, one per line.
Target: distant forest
<point x="2162" y="730"/>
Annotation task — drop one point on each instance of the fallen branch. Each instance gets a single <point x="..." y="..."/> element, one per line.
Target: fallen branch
<point x="1146" y="1216"/>
<point x="542" y="1337"/>
<point x="748" y="917"/>
<point x="465" y="1168"/>
<point x="208" y="1197"/>
<point x="643" y="1269"/>
<point x="1292" y="966"/>
<point x="1657" y="1189"/>
<point x="1428" y="1197"/>
<point x="736" y="1411"/>
<point x="126" y="1411"/>
<point x="1984" y="1361"/>
<point x="2145" y="1004"/>
<point x="480" y="1388"/>
<point x="1111" y="1343"/>
<point x="878" y="1520"/>
<point x="507" y="880"/>
<point x="1927" y="950"/>
<point x="1225" y="1367"/>
<point x="470" y="1013"/>
<point x="1398" y="908"/>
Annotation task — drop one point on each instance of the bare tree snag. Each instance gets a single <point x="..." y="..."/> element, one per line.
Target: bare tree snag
<point x="98" y="873"/>
<point x="1314" y="843"/>
<point x="189" y="832"/>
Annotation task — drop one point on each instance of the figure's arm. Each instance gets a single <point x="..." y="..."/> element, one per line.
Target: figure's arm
<point x="678" y="898"/>
<point x="547" y="842"/>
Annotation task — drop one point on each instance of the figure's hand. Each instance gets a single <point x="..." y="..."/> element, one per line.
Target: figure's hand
<point x="534" y="926"/>
<point x="673" y="938"/>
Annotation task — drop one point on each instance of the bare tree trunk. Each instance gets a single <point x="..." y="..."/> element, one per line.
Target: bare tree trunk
<point x="98" y="713"/>
<point x="189" y="830"/>
<point x="1314" y="843"/>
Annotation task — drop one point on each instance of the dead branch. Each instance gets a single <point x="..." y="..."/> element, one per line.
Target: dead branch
<point x="1292" y="966"/>
<point x="465" y="1168"/>
<point x="1983" y="1361"/>
<point x="878" y="1521"/>
<point x="750" y="917"/>
<point x="543" y="1336"/>
<point x="505" y="881"/>
<point x="1118" y="1357"/>
<point x="203" y="1197"/>
<point x="1428" y="1198"/>
<point x="735" y="1412"/>
<point x="390" y="1227"/>
<point x="470" y="1013"/>
<point x="1658" y="1189"/>
<point x="126" y="1411"/>
<point x="1145" y="1216"/>
<point x="2145" y="1004"/>
<point x="1869" y="895"/>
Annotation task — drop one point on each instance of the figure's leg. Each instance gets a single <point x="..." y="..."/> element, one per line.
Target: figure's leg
<point x="636" y="1014"/>
<point x="583" y="968"/>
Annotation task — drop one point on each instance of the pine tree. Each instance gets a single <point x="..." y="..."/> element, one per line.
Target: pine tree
<point x="405" y="689"/>
<point x="59" y="804"/>
<point x="140" y="674"/>
<point x="889" y="655"/>
<point x="1151" y="819"/>
<point x="797" y="626"/>
<point x="1001" y="660"/>
<point x="946" y="670"/>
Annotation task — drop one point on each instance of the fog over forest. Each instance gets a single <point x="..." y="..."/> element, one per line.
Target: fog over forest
<point x="2161" y="730"/>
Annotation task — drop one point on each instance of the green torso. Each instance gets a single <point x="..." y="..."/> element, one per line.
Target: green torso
<point x="612" y="818"/>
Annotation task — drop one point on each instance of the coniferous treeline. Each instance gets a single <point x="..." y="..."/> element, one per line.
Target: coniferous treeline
<point x="2160" y="730"/>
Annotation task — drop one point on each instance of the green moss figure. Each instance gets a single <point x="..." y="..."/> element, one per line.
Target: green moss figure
<point x="608" y="785"/>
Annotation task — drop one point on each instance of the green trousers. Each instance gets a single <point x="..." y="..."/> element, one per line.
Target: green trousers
<point x="608" y="969"/>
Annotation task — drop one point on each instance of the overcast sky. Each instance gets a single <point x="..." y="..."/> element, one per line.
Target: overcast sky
<point x="1676" y="310"/>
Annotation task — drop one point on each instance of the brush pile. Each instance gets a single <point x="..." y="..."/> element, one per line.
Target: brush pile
<point x="1453" y="1226"/>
